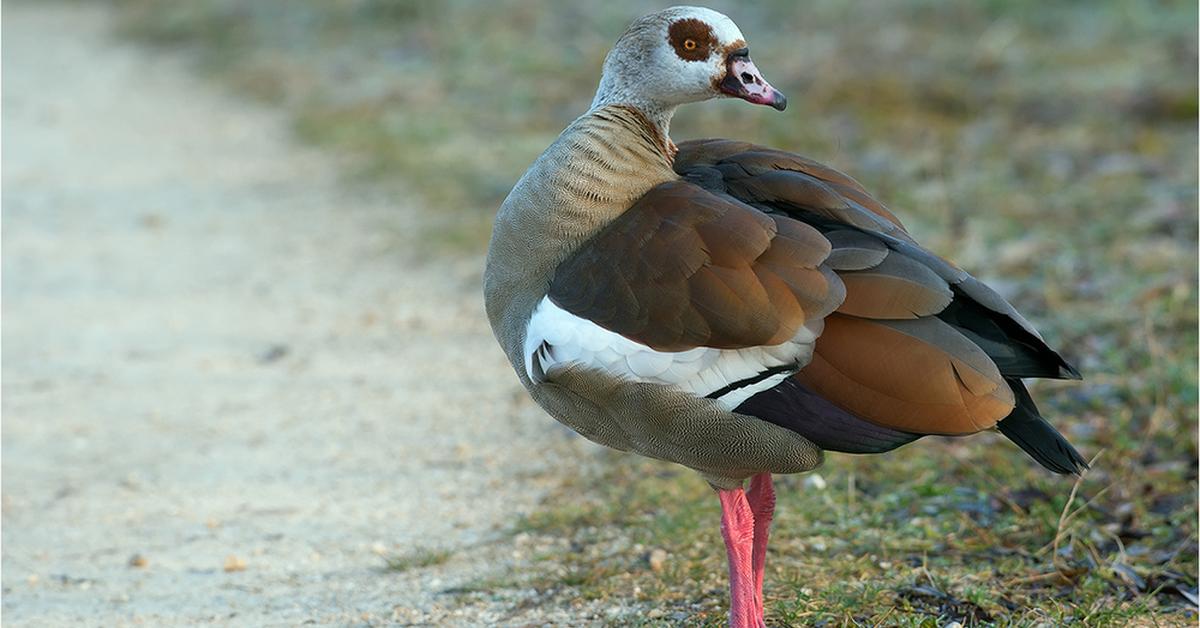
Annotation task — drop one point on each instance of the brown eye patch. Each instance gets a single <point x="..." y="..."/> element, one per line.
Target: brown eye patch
<point x="692" y="39"/>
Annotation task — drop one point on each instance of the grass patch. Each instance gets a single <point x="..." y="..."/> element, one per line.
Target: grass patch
<point x="941" y="531"/>
<point x="1049" y="148"/>
<point x="418" y="559"/>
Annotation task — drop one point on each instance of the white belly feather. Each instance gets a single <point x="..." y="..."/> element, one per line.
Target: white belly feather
<point x="556" y="338"/>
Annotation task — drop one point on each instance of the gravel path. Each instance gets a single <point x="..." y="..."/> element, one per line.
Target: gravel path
<point x="230" y="387"/>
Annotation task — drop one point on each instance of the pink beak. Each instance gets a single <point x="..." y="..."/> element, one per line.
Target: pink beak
<point x="743" y="80"/>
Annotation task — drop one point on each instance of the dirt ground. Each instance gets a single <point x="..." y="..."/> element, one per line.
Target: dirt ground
<point x="231" y="388"/>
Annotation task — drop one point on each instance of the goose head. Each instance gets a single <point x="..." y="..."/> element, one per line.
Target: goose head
<point x="682" y="55"/>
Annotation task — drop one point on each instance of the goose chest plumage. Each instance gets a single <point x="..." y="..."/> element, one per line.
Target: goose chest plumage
<point x="738" y="309"/>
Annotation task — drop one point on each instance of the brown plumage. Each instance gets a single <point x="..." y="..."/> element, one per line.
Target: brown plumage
<point x="684" y="268"/>
<point x="725" y="258"/>
<point x="884" y="355"/>
<point x="918" y="376"/>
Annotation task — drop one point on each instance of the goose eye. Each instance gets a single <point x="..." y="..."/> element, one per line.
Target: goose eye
<point x="689" y="44"/>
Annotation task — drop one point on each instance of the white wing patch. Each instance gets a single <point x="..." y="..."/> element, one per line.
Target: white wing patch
<point x="556" y="338"/>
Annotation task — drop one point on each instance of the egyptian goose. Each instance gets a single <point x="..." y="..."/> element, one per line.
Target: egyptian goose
<point x="738" y="309"/>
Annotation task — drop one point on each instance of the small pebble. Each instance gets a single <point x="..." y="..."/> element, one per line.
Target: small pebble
<point x="233" y="563"/>
<point x="273" y="353"/>
<point x="658" y="559"/>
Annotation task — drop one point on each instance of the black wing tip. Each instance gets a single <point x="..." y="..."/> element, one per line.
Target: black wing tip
<point x="1026" y="427"/>
<point x="1044" y="444"/>
<point x="1066" y="371"/>
<point x="1075" y="464"/>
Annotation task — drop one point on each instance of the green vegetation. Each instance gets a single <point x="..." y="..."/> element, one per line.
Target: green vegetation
<point x="416" y="560"/>
<point x="1050" y="147"/>
<point x="945" y="530"/>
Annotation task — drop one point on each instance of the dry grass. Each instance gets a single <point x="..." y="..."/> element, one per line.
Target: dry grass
<point x="1049" y="147"/>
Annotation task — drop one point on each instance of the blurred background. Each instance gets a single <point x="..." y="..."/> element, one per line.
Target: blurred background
<point x="1050" y="147"/>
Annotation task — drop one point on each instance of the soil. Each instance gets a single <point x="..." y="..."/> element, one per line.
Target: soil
<point x="233" y="387"/>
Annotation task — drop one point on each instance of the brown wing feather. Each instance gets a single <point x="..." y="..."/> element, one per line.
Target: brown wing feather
<point x="917" y="376"/>
<point x="790" y="182"/>
<point x="764" y="174"/>
<point x="896" y="287"/>
<point x="684" y="267"/>
<point x="884" y="355"/>
<point x="854" y="250"/>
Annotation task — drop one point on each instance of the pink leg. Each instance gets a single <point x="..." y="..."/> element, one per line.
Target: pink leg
<point x="761" y="497"/>
<point x="737" y="528"/>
